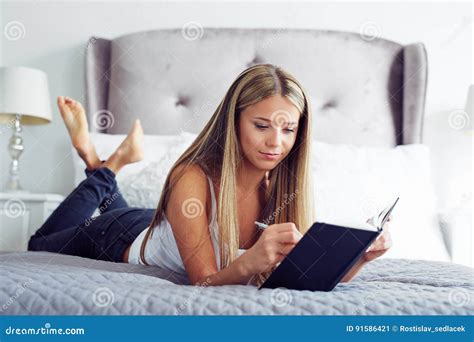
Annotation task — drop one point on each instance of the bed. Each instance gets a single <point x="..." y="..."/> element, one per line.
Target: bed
<point x="44" y="283"/>
<point x="366" y="91"/>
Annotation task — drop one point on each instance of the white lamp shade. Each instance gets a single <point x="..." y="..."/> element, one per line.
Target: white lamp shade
<point x="24" y="91"/>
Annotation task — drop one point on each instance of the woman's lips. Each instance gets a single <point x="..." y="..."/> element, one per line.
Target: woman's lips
<point x="270" y="156"/>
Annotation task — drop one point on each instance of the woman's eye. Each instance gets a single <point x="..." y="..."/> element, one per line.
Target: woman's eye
<point x="261" y="126"/>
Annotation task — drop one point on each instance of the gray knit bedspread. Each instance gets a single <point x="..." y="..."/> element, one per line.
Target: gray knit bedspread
<point x="43" y="283"/>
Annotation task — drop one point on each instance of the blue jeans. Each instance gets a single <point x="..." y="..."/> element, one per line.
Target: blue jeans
<point x="71" y="230"/>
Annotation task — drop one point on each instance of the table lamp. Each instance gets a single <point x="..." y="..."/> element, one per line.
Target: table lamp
<point x="24" y="100"/>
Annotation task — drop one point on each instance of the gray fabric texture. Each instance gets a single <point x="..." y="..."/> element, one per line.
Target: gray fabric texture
<point x="44" y="283"/>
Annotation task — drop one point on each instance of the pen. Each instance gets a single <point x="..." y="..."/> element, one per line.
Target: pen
<point x="261" y="225"/>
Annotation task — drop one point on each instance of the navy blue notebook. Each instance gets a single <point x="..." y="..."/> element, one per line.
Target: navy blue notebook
<point x="324" y="255"/>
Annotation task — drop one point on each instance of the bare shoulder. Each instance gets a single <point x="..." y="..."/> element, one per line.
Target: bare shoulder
<point x="188" y="183"/>
<point x="190" y="172"/>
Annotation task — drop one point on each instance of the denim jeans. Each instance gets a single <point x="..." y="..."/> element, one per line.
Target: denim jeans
<point x="71" y="230"/>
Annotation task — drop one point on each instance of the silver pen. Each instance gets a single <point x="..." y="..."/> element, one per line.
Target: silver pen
<point x="261" y="225"/>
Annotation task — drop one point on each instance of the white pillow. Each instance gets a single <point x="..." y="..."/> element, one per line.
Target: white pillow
<point x="354" y="183"/>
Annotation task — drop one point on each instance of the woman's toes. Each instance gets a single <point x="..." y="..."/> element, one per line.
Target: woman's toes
<point x="137" y="127"/>
<point x="131" y="149"/>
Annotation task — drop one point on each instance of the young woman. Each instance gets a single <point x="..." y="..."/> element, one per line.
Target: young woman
<point x="250" y="163"/>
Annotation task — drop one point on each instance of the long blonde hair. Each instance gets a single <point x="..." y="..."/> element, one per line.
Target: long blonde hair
<point x="217" y="151"/>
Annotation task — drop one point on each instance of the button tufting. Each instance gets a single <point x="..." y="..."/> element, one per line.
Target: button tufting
<point x="256" y="60"/>
<point x="182" y="101"/>
<point x="329" y="104"/>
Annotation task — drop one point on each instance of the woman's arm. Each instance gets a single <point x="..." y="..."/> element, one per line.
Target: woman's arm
<point x="186" y="213"/>
<point x="236" y="273"/>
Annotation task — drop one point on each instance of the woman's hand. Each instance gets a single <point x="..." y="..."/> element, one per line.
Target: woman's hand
<point x="381" y="245"/>
<point x="276" y="241"/>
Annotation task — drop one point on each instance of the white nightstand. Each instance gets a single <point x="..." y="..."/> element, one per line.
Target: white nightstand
<point x="21" y="214"/>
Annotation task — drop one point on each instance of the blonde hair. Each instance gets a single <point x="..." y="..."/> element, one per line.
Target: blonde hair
<point x="217" y="151"/>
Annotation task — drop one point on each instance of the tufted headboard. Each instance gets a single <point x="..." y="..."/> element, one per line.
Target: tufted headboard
<point x="365" y="91"/>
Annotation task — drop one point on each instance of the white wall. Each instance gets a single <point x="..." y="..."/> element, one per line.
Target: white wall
<point x="55" y="35"/>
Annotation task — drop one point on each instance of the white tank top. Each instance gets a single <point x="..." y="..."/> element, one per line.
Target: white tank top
<point x="161" y="249"/>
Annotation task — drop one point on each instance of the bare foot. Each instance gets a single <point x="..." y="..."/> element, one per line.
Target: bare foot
<point x="75" y="120"/>
<point x="129" y="151"/>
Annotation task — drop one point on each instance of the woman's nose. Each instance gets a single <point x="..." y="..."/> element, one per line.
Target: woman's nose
<point x="275" y="137"/>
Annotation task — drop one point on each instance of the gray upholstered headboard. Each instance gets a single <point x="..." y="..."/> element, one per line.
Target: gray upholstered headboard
<point x="367" y="92"/>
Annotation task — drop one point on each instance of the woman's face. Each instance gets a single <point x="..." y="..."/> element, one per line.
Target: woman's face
<point x="268" y="131"/>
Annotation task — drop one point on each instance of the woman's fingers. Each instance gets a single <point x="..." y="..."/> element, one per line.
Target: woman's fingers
<point x="285" y="249"/>
<point x="384" y="241"/>
<point x="289" y="237"/>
